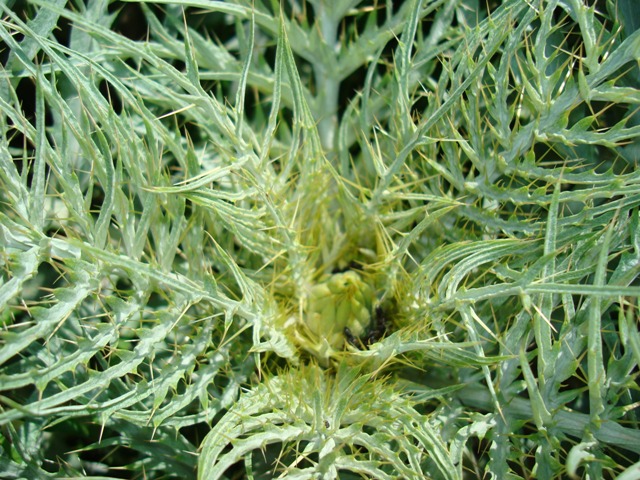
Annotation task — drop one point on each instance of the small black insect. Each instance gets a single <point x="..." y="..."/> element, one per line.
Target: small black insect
<point x="374" y="333"/>
<point x="351" y="338"/>
<point x="379" y="327"/>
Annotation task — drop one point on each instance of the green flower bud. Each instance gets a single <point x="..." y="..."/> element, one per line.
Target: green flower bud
<point x="344" y="300"/>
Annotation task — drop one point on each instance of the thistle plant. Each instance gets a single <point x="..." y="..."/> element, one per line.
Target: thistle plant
<point x="321" y="239"/>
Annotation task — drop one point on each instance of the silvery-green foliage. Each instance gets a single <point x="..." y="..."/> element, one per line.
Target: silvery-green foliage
<point x="194" y="216"/>
<point x="330" y="423"/>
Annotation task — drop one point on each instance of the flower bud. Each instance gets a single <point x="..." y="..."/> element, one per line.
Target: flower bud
<point x="344" y="300"/>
